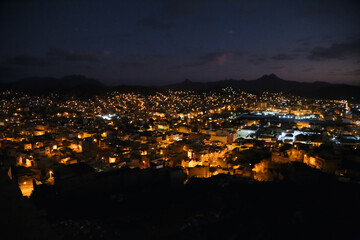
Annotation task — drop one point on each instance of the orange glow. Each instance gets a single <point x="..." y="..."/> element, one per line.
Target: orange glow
<point x="28" y="163"/>
<point x="112" y="159"/>
<point x="26" y="185"/>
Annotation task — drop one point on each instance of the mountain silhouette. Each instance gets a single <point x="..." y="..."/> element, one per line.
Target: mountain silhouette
<point x="49" y="82"/>
<point x="272" y="83"/>
<point x="81" y="85"/>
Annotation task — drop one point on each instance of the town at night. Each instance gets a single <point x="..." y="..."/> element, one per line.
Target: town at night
<point x="179" y="120"/>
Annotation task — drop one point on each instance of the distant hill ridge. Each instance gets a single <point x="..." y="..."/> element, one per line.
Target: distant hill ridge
<point x="264" y="83"/>
<point x="273" y="83"/>
<point x="80" y="84"/>
<point x="49" y="82"/>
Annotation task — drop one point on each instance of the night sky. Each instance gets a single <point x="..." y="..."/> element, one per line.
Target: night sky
<point x="152" y="42"/>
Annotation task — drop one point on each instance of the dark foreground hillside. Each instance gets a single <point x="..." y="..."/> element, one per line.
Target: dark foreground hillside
<point x="222" y="207"/>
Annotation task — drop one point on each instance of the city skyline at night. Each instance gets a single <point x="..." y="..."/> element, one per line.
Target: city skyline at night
<point x="179" y="119"/>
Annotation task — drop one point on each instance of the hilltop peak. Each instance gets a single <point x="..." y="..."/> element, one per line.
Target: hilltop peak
<point x="187" y="81"/>
<point x="270" y="76"/>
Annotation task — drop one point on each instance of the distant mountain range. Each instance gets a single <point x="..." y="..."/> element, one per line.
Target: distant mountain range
<point x="78" y="84"/>
<point x="273" y="83"/>
<point x="73" y="85"/>
<point x="49" y="82"/>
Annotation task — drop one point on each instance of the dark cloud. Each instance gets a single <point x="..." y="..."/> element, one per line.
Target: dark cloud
<point x="284" y="56"/>
<point x="154" y="23"/>
<point x="86" y="67"/>
<point x="77" y="56"/>
<point x="301" y="50"/>
<point x="184" y="7"/>
<point x="332" y="73"/>
<point x="305" y="42"/>
<point x="189" y="7"/>
<point x="333" y="8"/>
<point x="216" y="58"/>
<point x="355" y="73"/>
<point x="147" y="57"/>
<point x="142" y="60"/>
<point x="257" y="59"/>
<point x="132" y="64"/>
<point x="219" y="58"/>
<point x="349" y="50"/>
<point x="26" y="60"/>
<point x="309" y="69"/>
<point x="277" y="67"/>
